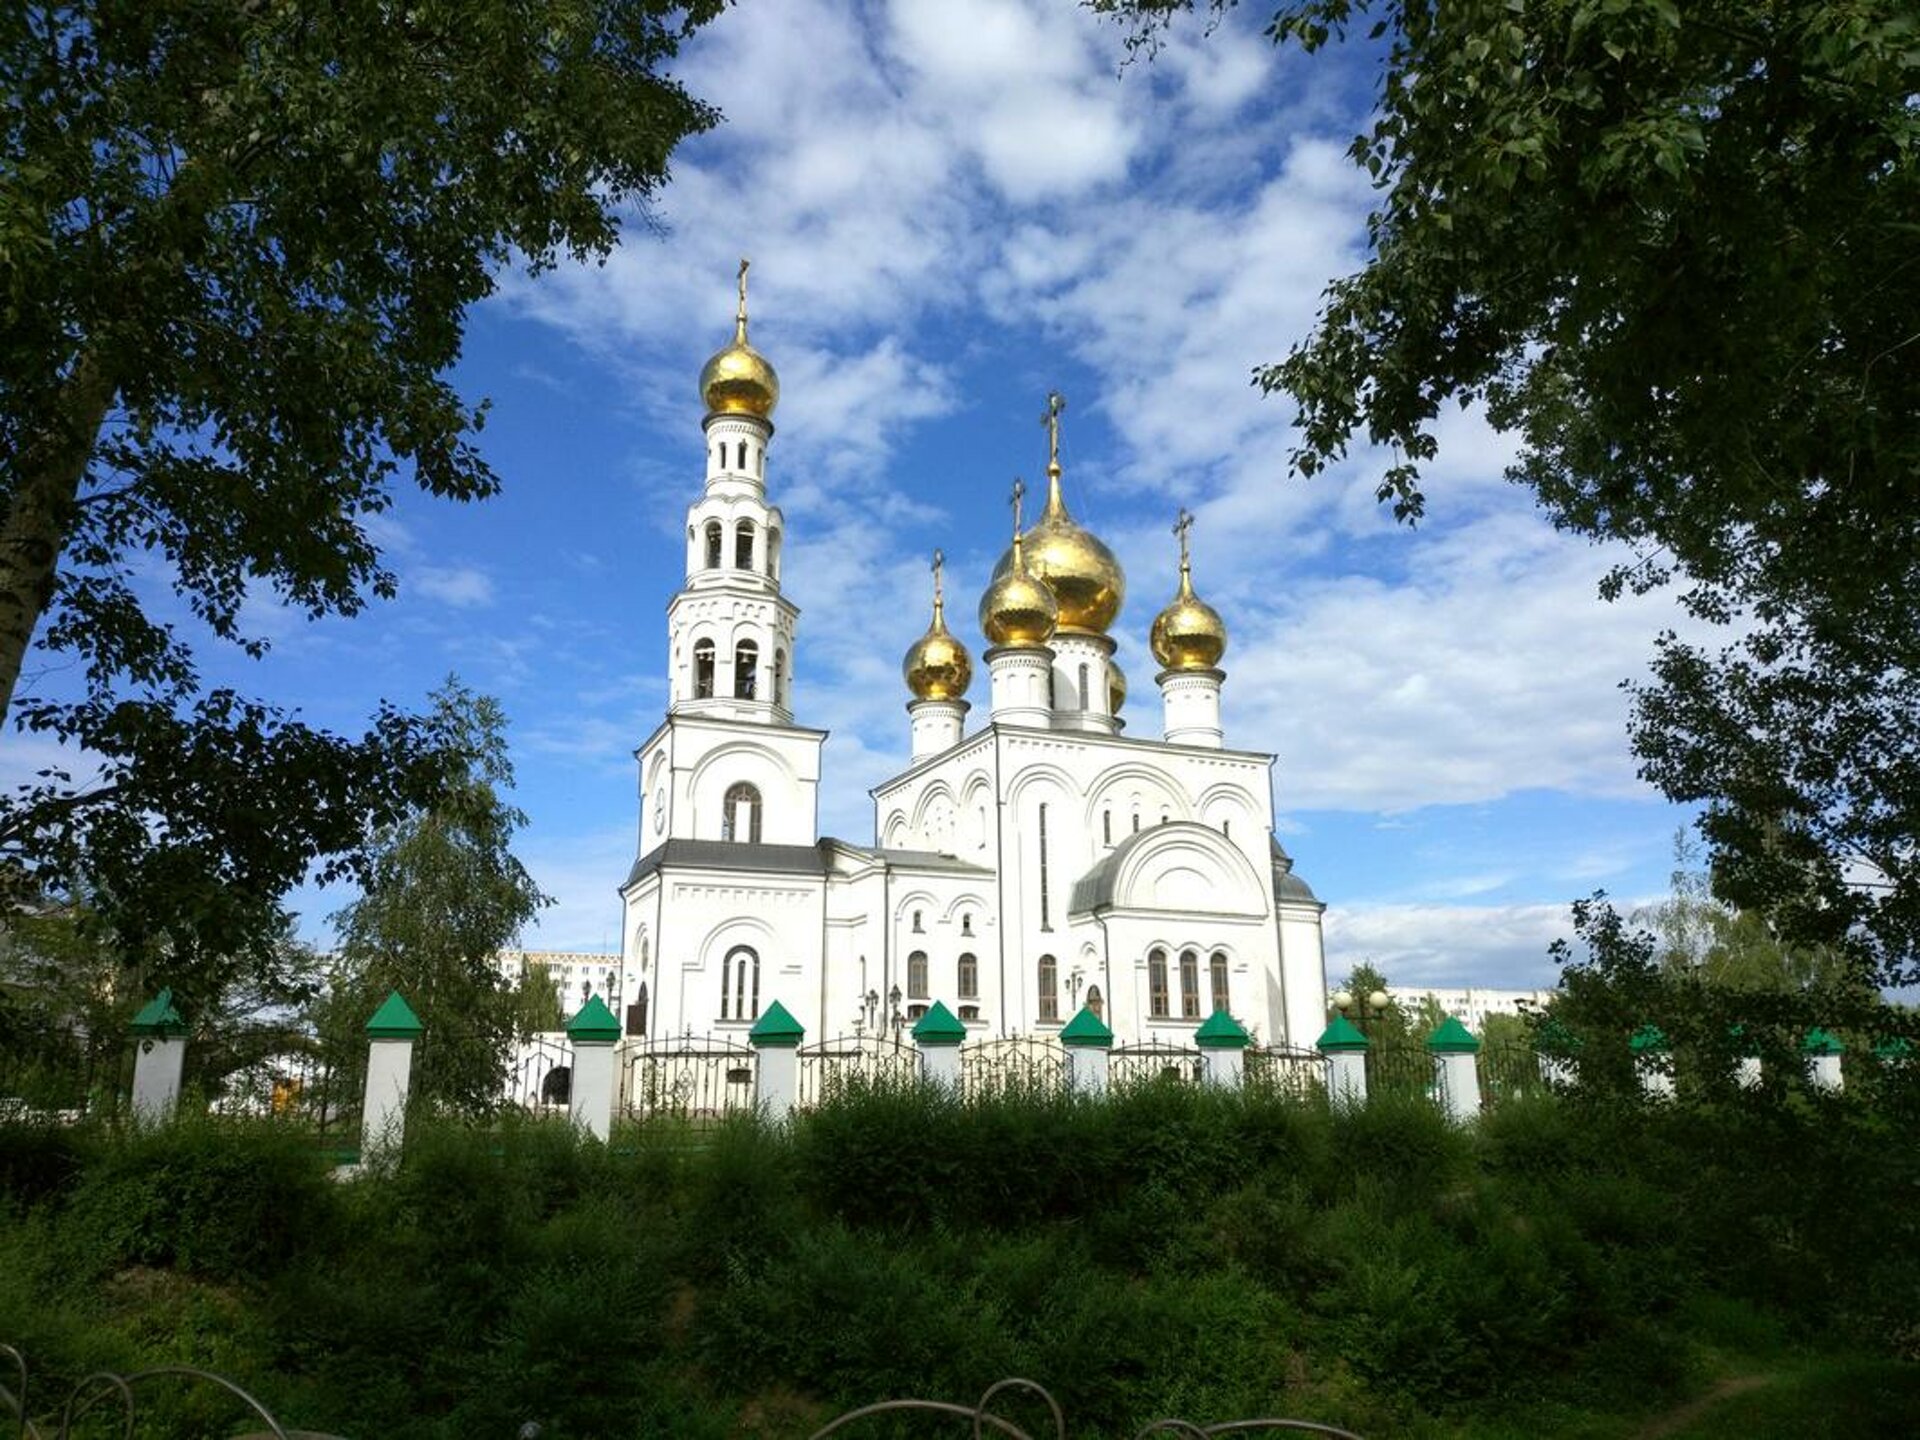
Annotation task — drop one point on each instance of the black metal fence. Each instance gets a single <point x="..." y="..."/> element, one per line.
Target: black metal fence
<point x="1016" y="1065"/>
<point x="1406" y="1071"/>
<point x="832" y="1065"/>
<point x="1152" y="1060"/>
<point x="692" y="1077"/>
<point x="539" y="1077"/>
<point x="1278" y="1070"/>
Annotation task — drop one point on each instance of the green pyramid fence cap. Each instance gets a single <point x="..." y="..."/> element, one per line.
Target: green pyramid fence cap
<point x="1892" y="1052"/>
<point x="594" y="1025"/>
<point x="394" y="1020"/>
<point x="1220" y="1031"/>
<point x="776" y="1029"/>
<point x="1341" y="1036"/>
<point x="1745" y="1044"/>
<point x="1452" y="1038"/>
<point x="1822" y="1042"/>
<point x="158" y="1017"/>
<point x="1086" y="1028"/>
<point x="1648" y="1038"/>
<point x="938" y="1027"/>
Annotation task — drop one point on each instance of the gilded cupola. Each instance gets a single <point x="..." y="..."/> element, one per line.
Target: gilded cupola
<point x="1189" y="634"/>
<point x="1116" y="687"/>
<point x="937" y="666"/>
<point x="1077" y="567"/>
<point x="1017" y="609"/>
<point x="738" y="380"/>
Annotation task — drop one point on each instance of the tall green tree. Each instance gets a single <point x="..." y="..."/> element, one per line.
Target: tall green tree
<point x="443" y="896"/>
<point x="1675" y="250"/>
<point x="238" y="242"/>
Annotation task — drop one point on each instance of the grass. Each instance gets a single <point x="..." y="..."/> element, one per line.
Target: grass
<point x="1552" y="1272"/>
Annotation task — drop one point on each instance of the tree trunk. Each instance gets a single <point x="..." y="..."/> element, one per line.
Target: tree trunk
<point x="41" y="511"/>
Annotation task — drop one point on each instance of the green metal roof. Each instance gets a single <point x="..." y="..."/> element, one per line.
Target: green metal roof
<point x="158" y="1017"/>
<point x="1341" y="1035"/>
<point x="939" y="1027"/>
<point x="394" y="1020"/>
<point x="1086" y="1028"/>
<point x="594" y="1025"/>
<point x="776" y="1029"/>
<point x="1221" y="1032"/>
<point x="1648" y="1039"/>
<point x="1452" y="1038"/>
<point x="1822" y="1042"/>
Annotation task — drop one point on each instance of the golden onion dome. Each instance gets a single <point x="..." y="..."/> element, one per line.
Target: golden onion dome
<point x="738" y="380"/>
<point x="1189" y="634"/>
<point x="937" y="666"/>
<point x="1081" y="571"/>
<point x="1016" y="608"/>
<point x="1116" y="688"/>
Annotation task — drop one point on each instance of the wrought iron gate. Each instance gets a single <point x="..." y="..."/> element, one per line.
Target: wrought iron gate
<point x="694" y="1077"/>
<point x="831" y="1065"/>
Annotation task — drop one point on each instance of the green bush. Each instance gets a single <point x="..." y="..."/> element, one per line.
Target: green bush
<point x="220" y="1200"/>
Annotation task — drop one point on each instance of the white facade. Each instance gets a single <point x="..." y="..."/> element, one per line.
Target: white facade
<point x="1472" y="1005"/>
<point x="1040" y="861"/>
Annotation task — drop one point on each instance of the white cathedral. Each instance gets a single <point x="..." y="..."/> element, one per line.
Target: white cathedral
<point x="1040" y="862"/>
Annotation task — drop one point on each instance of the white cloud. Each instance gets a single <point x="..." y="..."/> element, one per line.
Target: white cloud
<point x="458" y="585"/>
<point x="1504" y="946"/>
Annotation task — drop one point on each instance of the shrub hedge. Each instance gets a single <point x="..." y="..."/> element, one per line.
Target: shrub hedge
<point x="1171" y="1251"/>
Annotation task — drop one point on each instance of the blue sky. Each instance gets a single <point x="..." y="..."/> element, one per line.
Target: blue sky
<point x="951" y="209"/>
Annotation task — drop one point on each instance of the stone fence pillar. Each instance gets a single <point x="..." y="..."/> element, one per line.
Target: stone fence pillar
<point x="1345" y="1049"/>
<point x="1223" y="1047"/>
<point x="1823" y="1050"/>
<point x="1653" y="1061"/>
<point x="939" y="1035"/>
<point x="776" y="1038"/>
<point x="593" y="1032"/>
<point x="1088" y="1040"/>
<point x="162" y="1057"/>
<point x="1455" y="1055"/>
<point x="390" y="1036"/>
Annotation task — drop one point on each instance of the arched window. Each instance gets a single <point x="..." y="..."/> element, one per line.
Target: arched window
<point x="1049" y="988"/>
<point x="966" y="922"/>
<point x="917" y="975"/>
<point x="743" y="545"/>
<point x="773" y="544"/>
<point x="1189" y="985"/>
<point x="1106" y="827"/>
<point x="746" y="670"/>
<point x="779" y="695"/>
<point x="740" y="814"/>
<point x="918" y="928"/>
<point x="1096" y="1002"/>
<point x="637" y="1012"/>
<point x="713" y="544"/>
<point x="740" y="984"/>
<point x="969" y="986"/>
<point x="1218" y="969"/>
<point x="1157" y="984"/>
<point x="1084" y="703"/>
<point x="703" y="670"/>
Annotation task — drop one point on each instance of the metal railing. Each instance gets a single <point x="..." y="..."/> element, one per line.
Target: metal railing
<point x="693" y="1077"/>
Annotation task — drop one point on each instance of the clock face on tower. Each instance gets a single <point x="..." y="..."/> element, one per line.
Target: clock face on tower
<point x="659" y="810"/>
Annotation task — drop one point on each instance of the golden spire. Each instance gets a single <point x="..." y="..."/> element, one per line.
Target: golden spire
<point x="1189" y="634"/>
<point x="1017" y="609"/>
<point x="937" y="666"/>
<point x="738" y="380"/>
<point x="1085" y="579"/>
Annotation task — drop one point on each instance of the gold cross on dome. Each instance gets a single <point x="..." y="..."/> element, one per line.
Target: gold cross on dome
<point x="939" y="563"/>
<point x="1056" y="402"/>
<point x="1019" y="493"/>
<point x="741" y="314"/>
<point x="1180" y="528"/>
